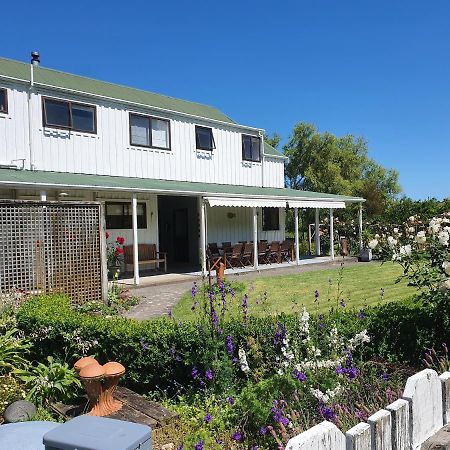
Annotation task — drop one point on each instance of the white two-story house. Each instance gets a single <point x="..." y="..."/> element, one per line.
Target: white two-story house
<point x="171" y="172"/>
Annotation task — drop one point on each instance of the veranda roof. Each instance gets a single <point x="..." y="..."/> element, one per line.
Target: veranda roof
<point x="35" y="179"/>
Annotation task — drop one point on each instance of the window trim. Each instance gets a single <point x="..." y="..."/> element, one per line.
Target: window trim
<point x="197" y="146"/>
<point x="122" y="204"/>
<point x="243" y="149"/>
<point x="169" y="148"/>
<point x="70" y="103"/>
<point x="6" y="101"/>
<point x="264" y="228"/>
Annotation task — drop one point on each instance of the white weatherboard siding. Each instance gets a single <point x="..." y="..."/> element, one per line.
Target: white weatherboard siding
<point x="221" y="228"/>
<point x="108" y="152"/>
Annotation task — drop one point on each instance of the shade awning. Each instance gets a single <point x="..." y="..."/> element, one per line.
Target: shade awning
<point x="316" y="204"/>
<point x="246" y="202"/>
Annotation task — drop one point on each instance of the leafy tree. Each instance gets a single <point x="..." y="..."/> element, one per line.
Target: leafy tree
<point x="323" y="162"/>
<point x="273" y="140"/>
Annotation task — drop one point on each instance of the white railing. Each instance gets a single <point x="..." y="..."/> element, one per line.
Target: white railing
<point x="403" y="425"/>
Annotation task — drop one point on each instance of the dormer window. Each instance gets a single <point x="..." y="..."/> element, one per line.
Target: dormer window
<point x="146" y="131"/>
<point x="69" y="115"/>
<point x="3" y="101"/>
<point x="251" y="148"/>
<point x="204" y="138"/>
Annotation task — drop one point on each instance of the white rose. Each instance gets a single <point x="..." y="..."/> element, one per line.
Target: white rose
<point x="391" y="242"/>
<point x="445" y="286"/>
<point x="395" y="230"/>
<point x="443" y="237"/>
<point x="411" y="218"/>
<point x="405" y="250"/>
<point x="373" y="243"/>
<point x="421" y="238"/>
<point x="446" y="267"/>
<point x="411" y="229"/>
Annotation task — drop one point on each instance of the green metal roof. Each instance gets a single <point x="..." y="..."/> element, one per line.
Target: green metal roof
<point x="269" y="150"/>
<point x="56" y="180"/>
<point x="57" y="79"/>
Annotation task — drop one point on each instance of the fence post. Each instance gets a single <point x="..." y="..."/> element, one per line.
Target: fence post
<point x="359" y="437"/>
<point x="103" y="252"/>
<point x="424" y="393"/>
<point x="445" y="380"/>
<point x="400" y="424"/>
<point x="325" y="436"/>
<point x="381" y="430"/>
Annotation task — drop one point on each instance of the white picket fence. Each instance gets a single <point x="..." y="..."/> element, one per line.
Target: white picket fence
<point x="404" y="425"/>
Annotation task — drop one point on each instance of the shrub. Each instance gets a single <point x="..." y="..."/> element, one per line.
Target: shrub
<point x="13" y="349"/>
<point x="10" y="391"/>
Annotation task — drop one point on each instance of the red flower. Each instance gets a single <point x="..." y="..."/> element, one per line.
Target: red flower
<point x="120" y="240"/>
<point x="119" y="251"/>
<point x="107" y="235"/>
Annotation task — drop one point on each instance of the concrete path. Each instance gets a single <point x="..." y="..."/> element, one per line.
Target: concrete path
<point x="159" y="299"/>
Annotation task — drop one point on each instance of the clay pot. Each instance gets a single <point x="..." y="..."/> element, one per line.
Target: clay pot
<point x="82" y="362"/>
<point x="113" y="372"/>
<point x="91" y="376"/>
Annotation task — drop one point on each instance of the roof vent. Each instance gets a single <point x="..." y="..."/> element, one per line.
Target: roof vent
<point x="35" y="58"/>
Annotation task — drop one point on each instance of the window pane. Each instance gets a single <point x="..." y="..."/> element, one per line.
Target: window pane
<point x="114" y="209"/>
<point x="140" y="130"/>
<point x="160" y="133"/>
<point x="255" y="149"/>
<point x="204" y="138"/>
<point x="247" y="147"/>
<point x="83" y="118"/>
<point x="271" y="219"/>
<point x="2" y="100"/>
<point x="57" y="113"/>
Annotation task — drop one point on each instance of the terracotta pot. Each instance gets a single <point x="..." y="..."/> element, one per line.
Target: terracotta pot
<point x="83" y="362"/>
<point x="91" y="377"/>
<point x="113" y="372"/>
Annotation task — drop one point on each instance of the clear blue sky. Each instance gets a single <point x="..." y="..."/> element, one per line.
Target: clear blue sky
<point x="377" y="69"/>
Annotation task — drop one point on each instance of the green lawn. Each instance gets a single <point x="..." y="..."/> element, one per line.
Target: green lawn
<point x="358" y="286"/>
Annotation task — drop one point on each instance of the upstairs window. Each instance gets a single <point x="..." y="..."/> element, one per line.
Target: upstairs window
<point x="69" y="115"/>
<point x="204" y="139"/>
<point x="251" y="148"/>
<point x="119" y="216"/>
<point x="148" y="131"/>
<point x="3" y="101"/>
<point x="271" y="219"/>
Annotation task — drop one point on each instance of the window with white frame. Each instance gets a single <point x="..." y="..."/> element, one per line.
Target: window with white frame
<point x="146" y="131"/>
<point x="119" y="215"/>
<point x="3" y="101"/>
<point x="270" y="219"/>
<point x="204" y="139"/>
<point x="251" y="148"/>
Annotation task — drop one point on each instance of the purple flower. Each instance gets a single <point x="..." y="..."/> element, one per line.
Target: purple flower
<point x="194" y="290"/>
<point x="209" y="374"/>
<point x="280" y="334"/>
<point x="316" y="296"/>
<point x="236" y="436"/>
<point x="245" y="307"/>
<point x="326" y="412"/>
<point x="199" y="445"/>
<point x="180" y="447"/>
<point x="385" y="377"/>
<point x="214" y="318"/>
<point x="174" y="354"/>
<point x="342" y="303"/>
<point x="219" y="441"/>
<point x="170" y="314"/>
<point x="194" y="373"/>
<point x="208" y="418"/>
<point x="352" y="373"/>
<point x="229" y="345"/>
<point x="230" y="400"/>
<point x="361" y="315"/>
<point x="263" y="431"/>
<point x="382" y="293"/>
<point x="144" y="344"/>
<point x="278" y="415"/>
<point x="300" y="376"/>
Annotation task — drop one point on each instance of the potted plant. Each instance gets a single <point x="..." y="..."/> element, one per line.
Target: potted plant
<point x="369" y="244"/>
<point x="115" y="257"/>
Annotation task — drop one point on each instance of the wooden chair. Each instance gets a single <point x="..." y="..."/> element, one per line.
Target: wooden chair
<point x="226" y="247"/>
<point x="263" y="253"/>
<point x="147" y="254"/>
<point x="213" y="260"/>
<point x="286" y="250"/>
<point x="235" y="259"/>
<point x="274" y="251"/>
<point x="214" y="249"/>
<point x="247" y="254"/>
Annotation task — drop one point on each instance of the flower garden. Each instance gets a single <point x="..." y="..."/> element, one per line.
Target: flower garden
<point x="242" y="380"/>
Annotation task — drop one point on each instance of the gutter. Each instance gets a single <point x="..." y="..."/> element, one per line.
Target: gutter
<point x="140" y="105"/>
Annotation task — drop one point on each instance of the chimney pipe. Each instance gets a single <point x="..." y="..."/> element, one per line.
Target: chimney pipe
<point x="35" y="58"/>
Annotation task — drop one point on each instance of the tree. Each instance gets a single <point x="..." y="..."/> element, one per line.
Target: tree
<point x="273" y="140"/>
<point x="323" y="162"/>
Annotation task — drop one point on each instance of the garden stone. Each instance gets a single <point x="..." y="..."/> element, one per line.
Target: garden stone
<point x="19" y="411"/>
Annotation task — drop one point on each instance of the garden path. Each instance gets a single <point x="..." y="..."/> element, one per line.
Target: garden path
<point x="157" y="300"/>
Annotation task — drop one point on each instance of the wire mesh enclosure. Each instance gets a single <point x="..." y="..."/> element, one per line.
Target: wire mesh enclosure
<point x="53" y="247"/>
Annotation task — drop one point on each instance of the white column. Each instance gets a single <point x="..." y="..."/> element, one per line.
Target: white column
<point x="331" y="234"/>
<point x="202" y="209"/>
<point x="255" y="238"/>
<point x="135" y="238"/>
<point x="360" y="218"/>
<point x="317" y="233"/>
<point x="297" y="250"/>
<point x="43" y="195"/>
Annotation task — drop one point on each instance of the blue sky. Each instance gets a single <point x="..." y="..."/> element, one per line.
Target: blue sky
<point x="377" y="69"/>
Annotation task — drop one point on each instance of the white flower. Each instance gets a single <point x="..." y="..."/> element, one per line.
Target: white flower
<point x="411" y="218"/>
<point x="445" y="286"/>
<point x="443" y="237"/>
<point x="304" y="322"/>
<point x="421" y="238"/>
<point x="446" y="267"/>
<point x="395" y="230"/>
<point x="358" y="339"/>
<point x="377" y="236"/>
<point x="373" y="243"/>
<point x="391" y="242"/>
<point x="411" y="229"/>
<point x="405" y="250"/>
<point x="243" y="361"/>
<point x="324" y="398"/>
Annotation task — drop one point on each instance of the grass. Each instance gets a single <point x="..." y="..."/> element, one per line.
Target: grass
<point x="358" y="286"/>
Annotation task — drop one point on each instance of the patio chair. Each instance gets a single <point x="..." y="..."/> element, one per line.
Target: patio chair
<point x="263" y="253"/>
<point x="147" y="254"/>
<point x="286" y="250"/>
<point x="213" y="260"/>
<point x="247" y="255"/>
<point x="235" y="259"/>
<point x="214" y="250"/>
<point x="226" y="247"/>
<point x="274" y="251"/>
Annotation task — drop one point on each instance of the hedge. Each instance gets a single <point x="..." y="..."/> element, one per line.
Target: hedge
<point x="161" y="353"/>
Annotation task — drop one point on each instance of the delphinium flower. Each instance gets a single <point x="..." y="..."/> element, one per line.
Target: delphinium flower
<point x="230" y="400"/>
<point x="169" y="314"/>
<point x="199" y="445"/>
<point x="209" y="374"/>
<point x="342" y="303"/>
<point x="349" y="369"/>
<point x="263" y="431"/>
<point x="236" y="436"/>
<point x="194" y="290"/>
<point x="245" y="307"/>
<point x="316" y="296"/>
<point x="180" y="447"/>
<point x="382" y="293"/>
<point x="326" y="412"/>
<point x="219" y="441"/>
<point x="361" y="315"/>
<point x="208" y="418"/>
<point x="195" y="373"/>
<point x="321" y="324"/>
<point x="229" y="345"/>
<point x="174" y="354"/>
<point x="300" y="376"/>
<point x="385" y="377"/>
<point x="280" y="334"/>
<point x="144" y="344"/>
<point x="278" y="414"/>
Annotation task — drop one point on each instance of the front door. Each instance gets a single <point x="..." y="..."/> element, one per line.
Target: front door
<point x="181" y="235"/>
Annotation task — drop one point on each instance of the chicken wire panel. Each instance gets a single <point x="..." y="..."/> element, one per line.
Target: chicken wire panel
<point x="52" y="247"/>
